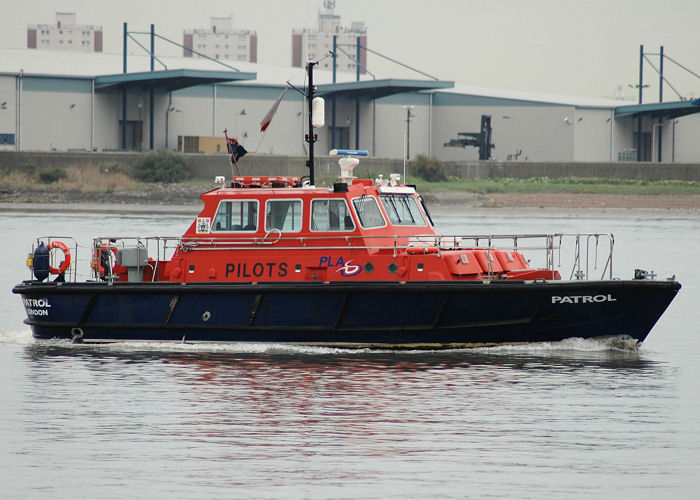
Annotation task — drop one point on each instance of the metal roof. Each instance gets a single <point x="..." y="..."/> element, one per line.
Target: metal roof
<point x="169" y="80"/>
<point x="668" y="110"/>
<point x="523" y="96"/>
<point x="374" y="89"/>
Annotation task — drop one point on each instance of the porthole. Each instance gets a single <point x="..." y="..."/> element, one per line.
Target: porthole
<point x="393" y="267"/>
<point x="369" y="267"/>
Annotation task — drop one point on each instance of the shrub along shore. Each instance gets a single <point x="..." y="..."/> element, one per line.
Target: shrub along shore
<point x="160" y="178"/>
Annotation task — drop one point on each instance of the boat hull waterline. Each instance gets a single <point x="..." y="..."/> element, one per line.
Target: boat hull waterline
<point x="360" y="314"/>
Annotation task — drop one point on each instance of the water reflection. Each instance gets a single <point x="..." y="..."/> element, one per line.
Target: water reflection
<point x="304" y="416"/>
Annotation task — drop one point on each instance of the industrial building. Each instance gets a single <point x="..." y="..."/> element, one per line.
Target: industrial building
<point x="86" y="102"/>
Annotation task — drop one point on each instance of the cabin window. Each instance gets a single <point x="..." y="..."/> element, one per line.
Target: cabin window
<point x="331" y="215"/>
<point x="284" y="215"/>
<point x="236" y="215"/>
<point x="402" y="210"/>
<point x="368" y="212"/>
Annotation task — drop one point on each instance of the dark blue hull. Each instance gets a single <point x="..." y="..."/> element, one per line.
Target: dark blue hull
<point x="385" y="314"/>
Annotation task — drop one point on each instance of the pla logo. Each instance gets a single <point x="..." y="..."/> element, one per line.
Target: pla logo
<point x="349" y="270"/>
<point x="346" y="269"/>
<point x="582" y="299"/>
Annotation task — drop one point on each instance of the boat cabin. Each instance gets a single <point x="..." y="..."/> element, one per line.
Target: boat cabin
<point x="268" y="229"/>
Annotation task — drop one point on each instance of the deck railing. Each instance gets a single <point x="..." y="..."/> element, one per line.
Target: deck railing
<point x="581" y="255"/>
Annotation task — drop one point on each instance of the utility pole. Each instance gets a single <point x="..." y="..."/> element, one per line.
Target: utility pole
<point x="661" y="96"/>
<point x="640" y="141"/>
<point x="124" y="128"/>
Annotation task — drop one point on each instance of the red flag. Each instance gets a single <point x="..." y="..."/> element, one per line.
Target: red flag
<point x="268" y="117"/>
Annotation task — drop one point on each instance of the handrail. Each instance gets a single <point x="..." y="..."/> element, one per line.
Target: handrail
<point x="587" y="252"/>
<point x="552" y="244"/>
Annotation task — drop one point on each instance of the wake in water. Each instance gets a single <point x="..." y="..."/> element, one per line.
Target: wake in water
<point x="571" y="345"/>
<point x="16" y="337"/>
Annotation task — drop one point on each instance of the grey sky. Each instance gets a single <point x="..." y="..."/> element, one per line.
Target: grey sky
<point x="573" y="47"/>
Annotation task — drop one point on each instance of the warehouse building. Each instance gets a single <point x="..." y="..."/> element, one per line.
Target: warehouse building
<point x="75" y="102"/>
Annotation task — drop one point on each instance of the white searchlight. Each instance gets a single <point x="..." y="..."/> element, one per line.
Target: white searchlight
<point x="318" y="112"/>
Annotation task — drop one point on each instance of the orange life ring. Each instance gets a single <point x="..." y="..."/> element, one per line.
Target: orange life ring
<point x="66" y="257"/>
<point x="96" y="262"/>
<point x="421" y="250"/>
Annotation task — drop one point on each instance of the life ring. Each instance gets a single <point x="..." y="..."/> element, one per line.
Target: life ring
<point x="96" y="262"/>
<point x="66" y="257"/>
<point x="421" y="250"/>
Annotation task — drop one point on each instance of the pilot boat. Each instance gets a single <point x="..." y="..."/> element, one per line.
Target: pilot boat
<point x="356" y="264"/>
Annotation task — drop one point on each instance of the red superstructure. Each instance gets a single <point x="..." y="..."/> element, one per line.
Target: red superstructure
<point x="276" y="229"/>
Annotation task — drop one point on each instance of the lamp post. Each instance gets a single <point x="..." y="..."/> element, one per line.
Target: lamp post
<point x="408" y="131"/>
<point x="243" y="112"/>
<point x="640" y="86"/>
<point x="182" y="129"/>
<point x="657" y="127"/>
<point x="171" y="109"/>
<point x="509" y="117"/>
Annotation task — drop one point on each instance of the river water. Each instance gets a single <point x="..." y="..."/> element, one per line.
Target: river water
<point x="574" y="419"/>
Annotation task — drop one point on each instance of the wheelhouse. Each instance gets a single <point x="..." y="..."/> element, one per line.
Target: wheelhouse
<point x="262" y="206"/>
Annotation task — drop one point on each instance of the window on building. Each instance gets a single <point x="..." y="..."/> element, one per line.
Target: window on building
<point x="7" y="139"/>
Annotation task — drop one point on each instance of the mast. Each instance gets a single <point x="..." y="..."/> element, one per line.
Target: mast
<point x="311" y="137"/>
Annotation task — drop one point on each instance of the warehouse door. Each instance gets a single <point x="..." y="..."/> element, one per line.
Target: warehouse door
<point x="134" y="135"/>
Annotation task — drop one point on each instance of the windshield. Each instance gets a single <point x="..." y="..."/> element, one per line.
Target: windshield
<point x="402" y="210"/>
<point x="368" y="212"/>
